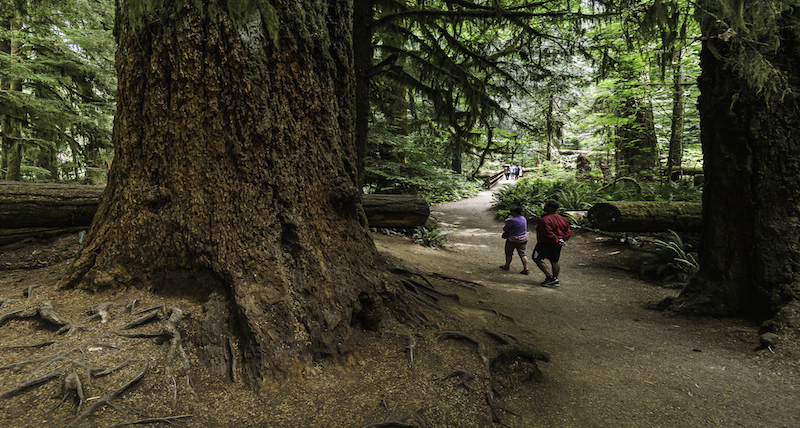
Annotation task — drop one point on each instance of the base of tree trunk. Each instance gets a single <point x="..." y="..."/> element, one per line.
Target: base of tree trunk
<point x="33" y="210"/>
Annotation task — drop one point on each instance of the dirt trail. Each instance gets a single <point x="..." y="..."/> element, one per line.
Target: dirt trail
<point x="614" y="363"/>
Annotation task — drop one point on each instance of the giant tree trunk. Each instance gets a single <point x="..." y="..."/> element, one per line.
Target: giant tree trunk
<point x="750" y="249"/>
<point x="235" y="178"/>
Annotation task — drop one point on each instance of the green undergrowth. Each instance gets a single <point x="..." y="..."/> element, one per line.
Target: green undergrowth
<point x="533" y="190"/>
<point x="436" y="185"/>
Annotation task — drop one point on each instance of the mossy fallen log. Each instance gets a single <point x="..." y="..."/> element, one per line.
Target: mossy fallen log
<point x="33" y="210"/>
<point x="400" y="211"/>
<point x="33" y="205"/>
<point x="647" y="216"/>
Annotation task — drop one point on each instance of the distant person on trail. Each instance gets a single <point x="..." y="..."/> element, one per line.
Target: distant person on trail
<point x="515" y="231"/>
<point x="552" y="233"/>
<point x="507" y="171"/>
<point x="517" y="169"/>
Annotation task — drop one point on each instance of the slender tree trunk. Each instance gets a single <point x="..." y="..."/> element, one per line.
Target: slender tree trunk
<point x="553" y="130"/>
<point x="5" y="47"/>
<point x="750" y="249"/>
<point x="485" y="152"/>
<point x="675" y="157"/>
<point x="362" y="54"/>
<point x="637" y="146"/>
<point x="456" y="149"/>
<point x="235" y="180"/>
<point x="12" y="131"/>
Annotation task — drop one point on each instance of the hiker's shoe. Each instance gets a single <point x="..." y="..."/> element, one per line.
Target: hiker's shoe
<point x="505" y="268"/>
<point x="551" y="280"/>
<point x="525" y="272"/>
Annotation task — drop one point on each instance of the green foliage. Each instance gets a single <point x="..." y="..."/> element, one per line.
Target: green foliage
<point x="686" y="260"/>
<point x="627" y="189"/>
<point x="414" y="164"/>
<point x="434" y="238"/>
<point x="531" y="193"/>
<point x="750" y="34"/>
<point x="436" y="185"/>
<point x="57" y="85"/>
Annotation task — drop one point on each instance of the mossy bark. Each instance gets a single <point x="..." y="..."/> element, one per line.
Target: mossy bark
<point x="637" y="147"/>
<point x="750" y="249"/>
<point x="235" y="176"/>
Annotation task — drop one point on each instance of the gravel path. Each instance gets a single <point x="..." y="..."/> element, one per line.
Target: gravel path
<point x="614" y="363"/>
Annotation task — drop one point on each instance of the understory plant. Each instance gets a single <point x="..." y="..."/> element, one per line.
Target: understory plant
<point x="436" y="185"/>
<point x="685" y="259"/>
<point x="434" y="238"/>
<point x="531" y="193"/>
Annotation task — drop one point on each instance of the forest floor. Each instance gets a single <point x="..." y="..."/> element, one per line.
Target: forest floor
<point x="612" y="362"/>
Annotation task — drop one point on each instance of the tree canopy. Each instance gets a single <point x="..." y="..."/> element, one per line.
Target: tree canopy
<point x="58" y="86"/>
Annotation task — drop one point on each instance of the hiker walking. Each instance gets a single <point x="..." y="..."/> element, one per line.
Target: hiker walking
<point x="552" y="233"/>
<point x="516" y="233"/>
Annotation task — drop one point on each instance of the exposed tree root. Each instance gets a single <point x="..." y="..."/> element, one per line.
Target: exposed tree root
<point x="106" y="400"/>
<point x="17" y="314"/>
<point x="398" y="421"/>
<point x="76" y="375"/>
<point x="463" y="377"/>
<point x="29" y="291"/>
<point x="511" y="363"/>
<point x="480" y="347"/>
<point x="167" y="420"/>
<point x="35" y="345"/>
<point x="49" y="314"/>
<point x="461" y="282"/>
<point x="412" y="343"/>
<point x="31" y="383"/>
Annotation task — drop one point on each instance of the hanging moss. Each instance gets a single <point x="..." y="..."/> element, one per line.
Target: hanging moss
<point x="752" y="34"/>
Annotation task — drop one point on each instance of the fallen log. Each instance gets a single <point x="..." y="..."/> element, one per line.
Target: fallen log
<point x="400" y="211"/>
<point x="34" y="205"/>
<point x="33" y="210"/>
<point x="647" y="216"/>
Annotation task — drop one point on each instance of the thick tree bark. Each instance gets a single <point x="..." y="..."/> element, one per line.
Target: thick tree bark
<point x="647" y="216"/>
<point x="750" y="248"/>
<point x="235" y="179"/>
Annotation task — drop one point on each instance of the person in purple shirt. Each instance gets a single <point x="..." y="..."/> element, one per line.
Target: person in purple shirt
<point x="516" y="233"/>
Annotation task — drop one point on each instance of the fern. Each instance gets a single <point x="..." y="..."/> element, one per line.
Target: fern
<point x="434" y="238"/>
<point x="686" y="260"/>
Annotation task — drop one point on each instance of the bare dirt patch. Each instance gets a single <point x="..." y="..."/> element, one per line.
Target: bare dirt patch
<point x="611" y="361"/>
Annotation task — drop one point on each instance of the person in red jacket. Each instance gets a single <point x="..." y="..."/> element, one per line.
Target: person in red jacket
<point x="552" y="233"/>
